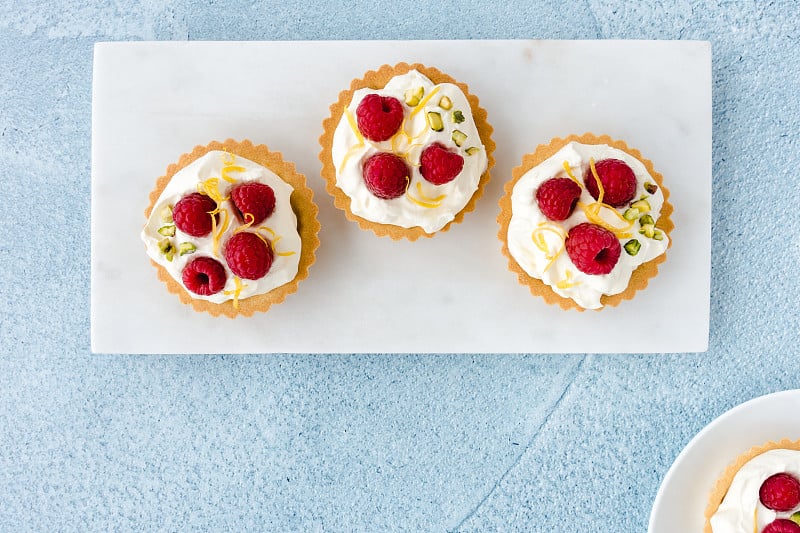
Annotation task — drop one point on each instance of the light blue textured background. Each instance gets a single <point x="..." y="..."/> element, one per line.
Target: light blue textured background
<point x="371" y="442"/>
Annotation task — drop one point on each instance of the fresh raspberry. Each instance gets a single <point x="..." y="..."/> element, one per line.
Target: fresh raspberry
<point x="439" y="165"/>
<point x="204" y="276"/>
<point x="191" y="214"/>
<point x="592" y="249"/>
<point x="254" y="198"/>
<point x="248" y="255"/>
<point x="557" y="198"/>
<point x="782" y="525"/>
<point x="619" y="182"/>
<point x="386" y="175"/>
<point x="780" y="492"/>
<point x="379" y="117"/>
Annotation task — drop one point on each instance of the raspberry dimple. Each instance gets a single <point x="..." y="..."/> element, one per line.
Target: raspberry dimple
<point x="593" y="250"/>
<point x="557" y="198"/>
<point x="256" y="199"/>
<point x="379" y="117"/>
<point x="191" y="214"/>
<point x="439" y="165"/>
<point x="780" y="492"/>
<point x="617" y="178"/>
<point x="204" y="276"/>
<point x="386" y="175"/>
<point x="248" y="255"/>
<point x="782" y="525"/>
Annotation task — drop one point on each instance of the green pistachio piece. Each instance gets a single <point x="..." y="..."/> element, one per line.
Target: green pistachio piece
<point x="445" y="103"/>
<point x="459" y="137"/>
<point x="165" y="247"/>
<point x="186" y="248"/>
<point x="167" y="231"/>
<point x="648" y="230"/>
<point x="650" y="187"/>
<point x="472" y="150"/>
<point x="435" y="121"/>
<point x="642" y="205"/>
<point x="632" y="247"/>
<point x="166" y="214"/>
<point x="457" y="117"/>
<point x="795" y="518"/>
<point x="631" y="214"/>
<point x="646" y="220"/>
<point x="413" y="96"/>
<point x="658" y="234"/>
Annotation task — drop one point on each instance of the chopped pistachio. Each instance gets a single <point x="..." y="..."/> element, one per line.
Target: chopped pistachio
<point x="413" y="96"/>
<point x="658" y="234"/>
<point x="459" y="137"/>
<point x="632" y="247"/>
<point x="165" y="247"/>
<point x="435" y="121"/>
<point x="472" y="150"/>
<point x="631" y="214"/>
<point x="166" y="214"/>
<point x="445" y="103"/>
<point x="646" y="220"/>
<point x="648" y="230"/>
<point x="642" y="205"/>
<point x="186" y="248"/>
<point x="457" y="117"/>
<point x="650" y="187"/>
<point x="167" y="231"/>
<point x="795" y="518"/>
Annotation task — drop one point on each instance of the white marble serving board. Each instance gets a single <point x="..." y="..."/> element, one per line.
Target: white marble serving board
<point x="452" y="293"/>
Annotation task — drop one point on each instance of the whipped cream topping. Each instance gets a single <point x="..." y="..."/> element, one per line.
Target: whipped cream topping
<point x="741" y="510"/>
<point x="552" y="264"/>
<point x="425" y="205"/>
<point x="280" y="228"/>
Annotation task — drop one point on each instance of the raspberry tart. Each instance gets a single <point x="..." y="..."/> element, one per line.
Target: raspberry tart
<point x="759" y="492"/>
<point x="406" y="151"/>
<point x="585" y="222"/>
<point x="231" y="228"/>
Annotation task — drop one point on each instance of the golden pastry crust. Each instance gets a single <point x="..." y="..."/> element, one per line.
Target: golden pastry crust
<point x="724" y="482"/>
<point x="302" y="201"/>
<point x="377" y="79"/>
<point x="640" y="277"/>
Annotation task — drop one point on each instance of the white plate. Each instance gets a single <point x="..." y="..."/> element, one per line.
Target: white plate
<point x="452" y="293"/>
<point x="682" y="498"/>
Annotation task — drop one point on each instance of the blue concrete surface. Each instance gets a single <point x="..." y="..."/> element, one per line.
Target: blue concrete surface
<point x="371" y="442"/>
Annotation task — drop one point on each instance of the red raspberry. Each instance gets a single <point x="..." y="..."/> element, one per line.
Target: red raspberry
<point x="557" y="198"/>
<point x="439" y="165"/>
<point x="379" y="117"/>
<point x="204" y="276"/>
<point x="191" y="214"/>
<point x="386" y="175"/>
<point x="782" y="525"/>
<point x="248" y="255"/>
<point x="592" y="249"/>
<point x="780" y="492"/>
<point x="619" y="182"/>
<point x="254" y="198"/>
